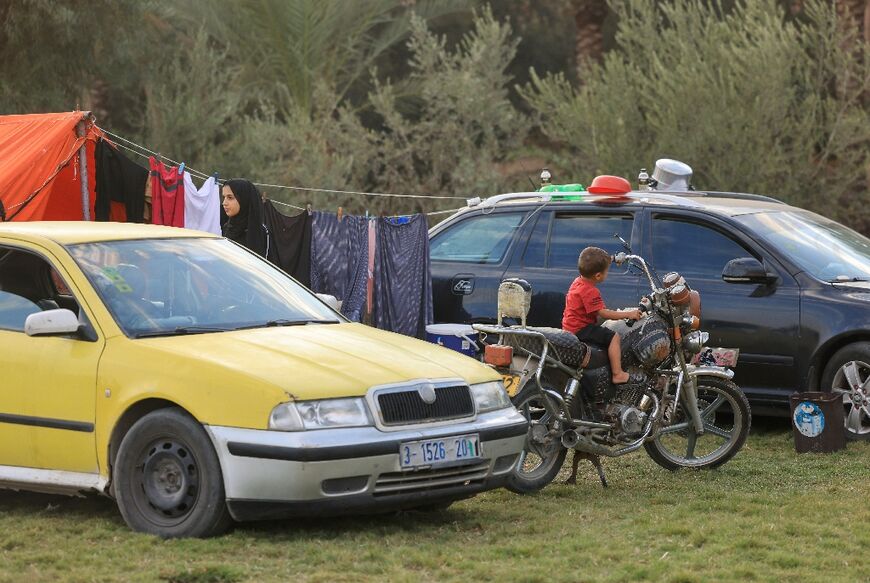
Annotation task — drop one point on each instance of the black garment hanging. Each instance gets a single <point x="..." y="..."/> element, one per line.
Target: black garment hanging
<point x="339" y="260"/>
<point x="402" y="278"/>
<point x="118" y="179"/>
<point x="291" y="242"/>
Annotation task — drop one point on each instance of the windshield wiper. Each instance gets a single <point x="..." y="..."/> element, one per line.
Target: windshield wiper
<point x="180" y="330"/>
<point x="283" y="322"/>
<point x="847" y="279"/>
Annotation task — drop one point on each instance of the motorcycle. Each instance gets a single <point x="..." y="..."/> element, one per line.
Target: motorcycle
<point x="684" y="415"/>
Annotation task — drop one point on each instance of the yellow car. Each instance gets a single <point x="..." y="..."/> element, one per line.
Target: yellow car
<point x="196" y="383"/>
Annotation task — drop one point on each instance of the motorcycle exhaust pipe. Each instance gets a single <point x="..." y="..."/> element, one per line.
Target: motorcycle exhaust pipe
<point x="570" y="438"/>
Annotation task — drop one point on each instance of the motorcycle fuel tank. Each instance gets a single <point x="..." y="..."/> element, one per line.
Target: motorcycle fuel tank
<point x="645" y="343"/>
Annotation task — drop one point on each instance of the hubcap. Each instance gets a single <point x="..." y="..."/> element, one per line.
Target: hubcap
<point x="170" y="480"/>
<point x="852" y="381"/>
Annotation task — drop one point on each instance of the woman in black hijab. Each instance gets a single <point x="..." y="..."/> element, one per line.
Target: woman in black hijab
<point x="243" y="208"/>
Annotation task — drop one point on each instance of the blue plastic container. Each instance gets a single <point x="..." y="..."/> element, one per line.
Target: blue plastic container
<point x="459" y="337"/>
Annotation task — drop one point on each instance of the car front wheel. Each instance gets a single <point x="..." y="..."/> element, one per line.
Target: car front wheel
<point x="848" y="374"/>
<point x="168" y="479"/>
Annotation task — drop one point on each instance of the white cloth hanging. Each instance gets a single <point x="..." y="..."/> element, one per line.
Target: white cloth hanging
<point x="202" y="206"/>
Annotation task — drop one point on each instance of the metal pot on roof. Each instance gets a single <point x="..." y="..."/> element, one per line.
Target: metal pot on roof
<point x="671" y="175"/>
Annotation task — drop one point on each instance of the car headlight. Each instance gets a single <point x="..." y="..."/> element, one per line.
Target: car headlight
<point x="323" y="414"/>
<point x="490" y="396"/>
<point x="285" y="417"/>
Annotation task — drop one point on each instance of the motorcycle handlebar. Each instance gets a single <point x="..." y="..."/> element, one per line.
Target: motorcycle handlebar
<point x="621" y="257"/>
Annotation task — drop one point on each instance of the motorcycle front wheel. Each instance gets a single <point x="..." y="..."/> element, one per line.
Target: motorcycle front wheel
<point x="543" y="455"/>
<point x="726" y="418"/>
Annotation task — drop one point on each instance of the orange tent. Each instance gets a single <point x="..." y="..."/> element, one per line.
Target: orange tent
<point x="41" y="167"/>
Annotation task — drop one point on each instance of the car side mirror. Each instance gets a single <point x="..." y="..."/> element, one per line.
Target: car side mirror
<point x="746" y="270"/>
<point x="51" y="323"/>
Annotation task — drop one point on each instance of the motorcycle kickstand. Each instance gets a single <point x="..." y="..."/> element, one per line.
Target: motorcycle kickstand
<point x="594" y="459"/>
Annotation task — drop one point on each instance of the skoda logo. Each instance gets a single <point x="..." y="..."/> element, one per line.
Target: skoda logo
<point x="427" y="393"/>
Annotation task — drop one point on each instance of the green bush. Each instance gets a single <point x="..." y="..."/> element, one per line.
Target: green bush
<point x="752" y="101"/>
<point x="462" y="121"/>
<point x="440" y="131"/>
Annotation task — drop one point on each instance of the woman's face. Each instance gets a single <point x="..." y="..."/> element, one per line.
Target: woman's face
<point x="230" y="203"/>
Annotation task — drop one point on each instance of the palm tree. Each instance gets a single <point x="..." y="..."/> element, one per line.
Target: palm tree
<point x="286" y="47"/>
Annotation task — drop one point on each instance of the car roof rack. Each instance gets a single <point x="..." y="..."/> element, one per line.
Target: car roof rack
<point x="676" y="197"/>
<point x="737" y="195"/>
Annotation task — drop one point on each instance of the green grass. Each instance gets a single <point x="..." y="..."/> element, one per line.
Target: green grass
<point x="768" y="515"/>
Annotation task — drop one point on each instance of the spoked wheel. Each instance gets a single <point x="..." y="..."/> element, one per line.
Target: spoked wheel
<point x="726" y="417"/>
<point x="852" y="381"/>
<point x="543" y="455"/>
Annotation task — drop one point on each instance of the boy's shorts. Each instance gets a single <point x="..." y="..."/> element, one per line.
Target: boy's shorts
<point x="595" y="334"/>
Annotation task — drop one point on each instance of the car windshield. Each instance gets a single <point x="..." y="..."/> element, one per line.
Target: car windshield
<point x="160" y="287"/>
<point x="823" y="248"/>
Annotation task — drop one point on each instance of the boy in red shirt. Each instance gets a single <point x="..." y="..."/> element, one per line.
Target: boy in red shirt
<point x="584" y="305"/>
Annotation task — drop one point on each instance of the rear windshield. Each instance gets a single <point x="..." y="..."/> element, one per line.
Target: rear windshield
<point x="477" y="239"/>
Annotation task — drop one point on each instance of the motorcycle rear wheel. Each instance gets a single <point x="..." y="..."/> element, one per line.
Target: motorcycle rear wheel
<point x="726" y="416"/>
<point x="543" y="455"/>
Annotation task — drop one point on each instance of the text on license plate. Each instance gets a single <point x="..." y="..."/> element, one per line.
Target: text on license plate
<point x="511" y="384"/>
<point x="438" y="451"/>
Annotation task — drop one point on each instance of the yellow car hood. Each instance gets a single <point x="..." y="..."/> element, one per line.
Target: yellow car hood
<point x="318" y="361"/>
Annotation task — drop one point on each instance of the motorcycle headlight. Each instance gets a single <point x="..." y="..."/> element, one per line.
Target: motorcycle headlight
<point x="490" y="396"/>
<point x="325" y="414"/>
<point x="694" y="342"/>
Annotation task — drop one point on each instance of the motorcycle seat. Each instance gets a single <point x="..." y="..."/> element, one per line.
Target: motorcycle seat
<point x="564" y="346"/>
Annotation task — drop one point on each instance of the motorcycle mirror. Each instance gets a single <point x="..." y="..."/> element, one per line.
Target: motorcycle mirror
<point x="624" y="242"/>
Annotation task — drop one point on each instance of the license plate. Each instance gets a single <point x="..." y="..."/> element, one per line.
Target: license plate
<point x="439" y="451"/>
<point x="511" y="383"/>
<point x="726" y="357"/>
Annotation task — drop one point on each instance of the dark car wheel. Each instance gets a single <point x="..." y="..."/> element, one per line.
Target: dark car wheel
<point x="168" y="478"/>
<point x="848" y="373"/>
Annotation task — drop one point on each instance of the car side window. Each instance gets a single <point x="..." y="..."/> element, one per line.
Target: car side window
<point x="692" y="249"/>
<point x="572" y="233"/>
<point x="29" y="284"/>
<point x="478" y="239"/>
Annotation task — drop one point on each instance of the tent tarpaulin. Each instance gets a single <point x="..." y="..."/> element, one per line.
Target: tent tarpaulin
<point x="39" y="171"/>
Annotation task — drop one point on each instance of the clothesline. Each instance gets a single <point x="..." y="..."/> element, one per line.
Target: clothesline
<point x="203" y="175"/>
<point x="299" y="208"/>
<point x="197" y="173"/>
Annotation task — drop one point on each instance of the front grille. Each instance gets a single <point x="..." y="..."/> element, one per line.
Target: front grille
<point x="405" y="407"/>
<point x="427" y="480"/>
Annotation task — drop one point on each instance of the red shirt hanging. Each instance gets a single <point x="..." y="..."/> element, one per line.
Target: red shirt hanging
<point x="167" y="195"/>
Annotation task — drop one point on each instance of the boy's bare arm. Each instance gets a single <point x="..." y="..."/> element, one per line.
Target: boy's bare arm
<point x="632" y="314"/>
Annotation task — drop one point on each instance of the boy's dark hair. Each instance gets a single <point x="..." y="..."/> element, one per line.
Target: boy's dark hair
<point x="593" y="260"/>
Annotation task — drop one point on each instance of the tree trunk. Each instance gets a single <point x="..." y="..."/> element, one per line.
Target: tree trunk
<point x="589" y="17"/>
<point x="858" y="11"/>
